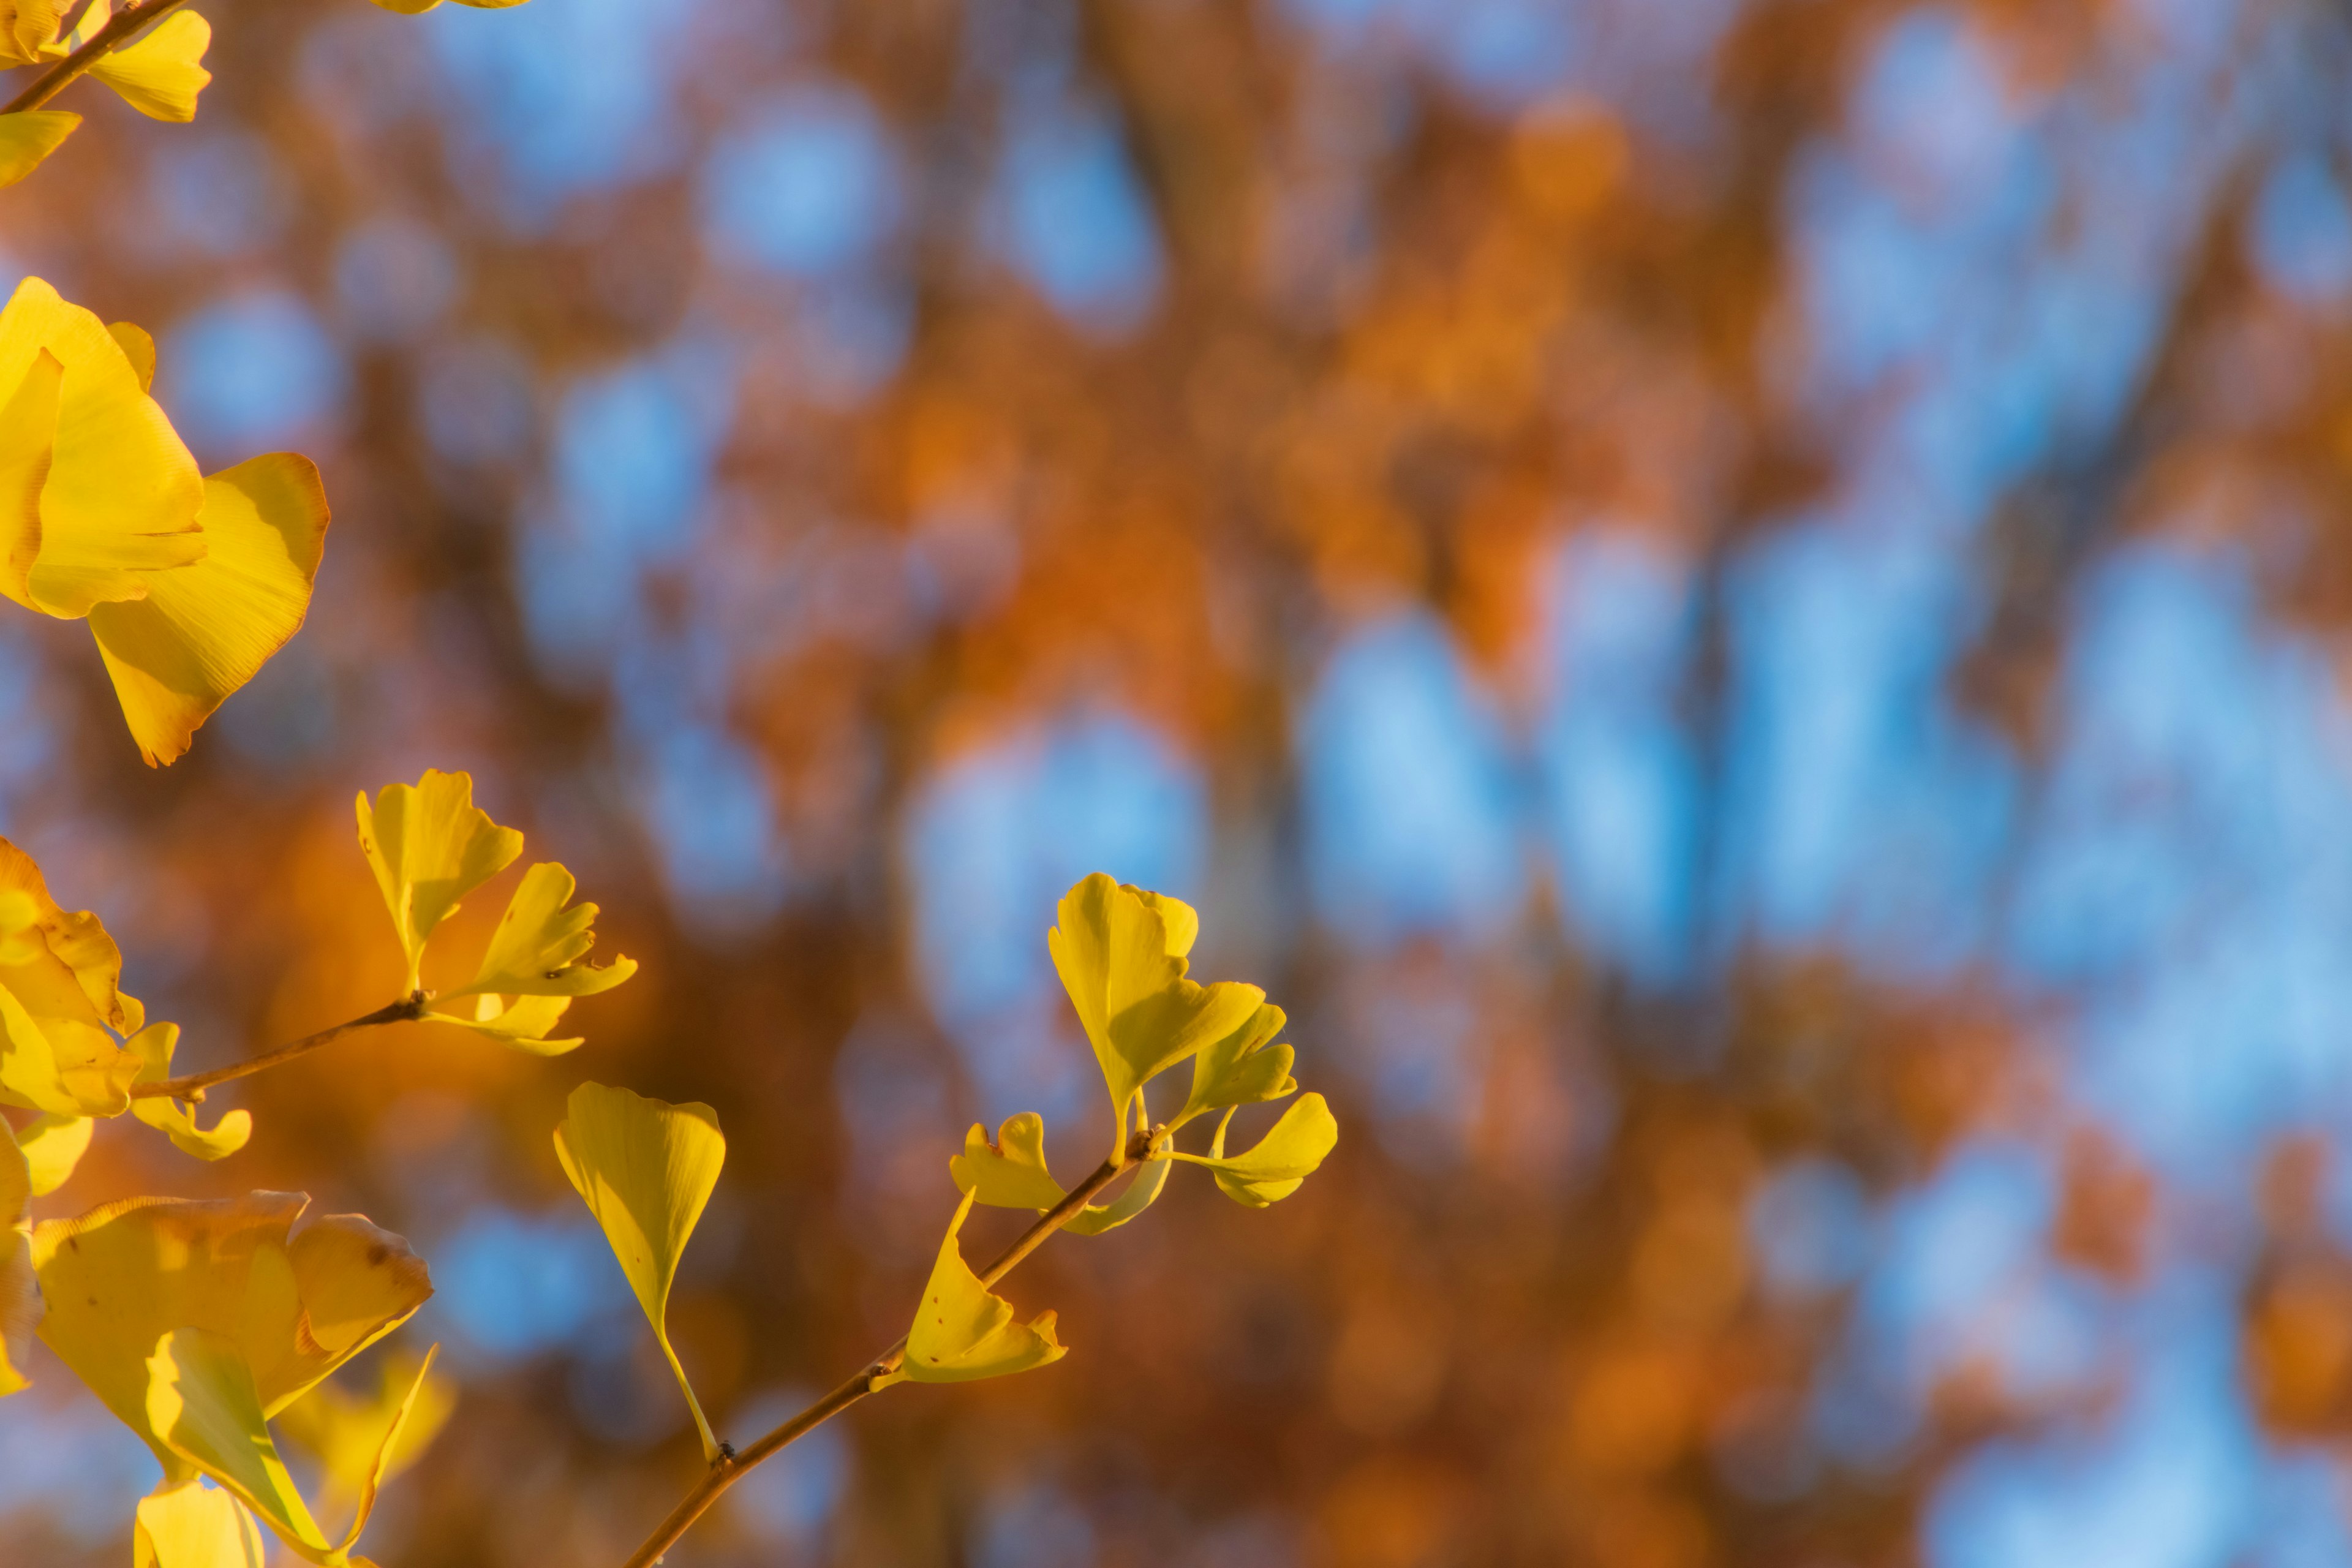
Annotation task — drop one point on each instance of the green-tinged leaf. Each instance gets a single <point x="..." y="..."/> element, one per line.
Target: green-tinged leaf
<point x="520" y="1023"/>
<point x="1142" y="1191"/>
<point x="204" y="1405"/>
<point x="644" y="1168"/>
<point x="1242" y="1068"/>
<point x="53" y="1146"/>
<point x="1009" y="1174"/>
<point x="191" y="1525"/>
<point x="297" y="1300"/>
<point x="539" y="946"/>
<point x="961" y="1332"/>
<point x="1119" y="952"/>
<point x="430" y="845"/>
<point x="356" y="1436"/>
<point x="1283" y="1158"/>
<point x="20" y="1291"/>
<point x="28" y="137"/>
<point x="177" y="1120"/>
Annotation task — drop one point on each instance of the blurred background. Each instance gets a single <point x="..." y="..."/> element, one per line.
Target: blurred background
<point x="1741" y="606"/>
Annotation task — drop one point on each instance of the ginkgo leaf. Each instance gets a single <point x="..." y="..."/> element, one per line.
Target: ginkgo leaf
<point x="202" y="1403"/>
<point x="539" y="947"/>
<point x="191" y="1525"/>
<point x="356" y="1439"/>
<point x="203" y="631"/>
<point x="122" y="497"/>
<point x="961" y="1332"/>
<point x="1119" y="952"/>
<point x="28" y="438"/>
<point x="430" y="845"/>
<point x="25" y="28"/>
<point x="20" y="1291"/>
<point x="297" y="1301"/>
<point x="1010" y="1173"/>
<point x="1283" y="1159"/>
<point x="76" y="940"/>
<point x="28" y="136"/>
<point x="138" y="347"/>
<point x="53" y="1146"/>
<point x="1242" y="1068"/>
<point x="518" y="1023"/>
<point x="153" y="1046"/>
<point x="644" y="1168"/>
<point x="160" y="75"/>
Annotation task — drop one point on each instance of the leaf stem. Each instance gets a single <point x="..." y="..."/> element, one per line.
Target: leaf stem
<point x="730" y="1467"/>
<point x="191" y="1086"/>
<point x="105" y="41"/>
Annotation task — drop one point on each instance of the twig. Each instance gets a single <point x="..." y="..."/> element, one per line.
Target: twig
<point x="105" y="41"/>
<point x="192" y="1086"/>
<point x="730" y="1467"/>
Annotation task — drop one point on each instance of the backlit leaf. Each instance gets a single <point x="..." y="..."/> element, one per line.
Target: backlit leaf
<point x="520" y="1023"/>
<point x="159" y="74"/>
<point x="53" y="1146"/>
<point x="644" y="1168"/>
<point x="355" y="1437"/>
<point x="961" y="1332"/>
<point x="203" y="1404"/>
<point x="539" y="946"/>
<point x="1011" y="1173"/>
<point x="1283" y="1159"/>
<point x="1242" y="1068"/>
<point x="20" y="1293"/>
<point x="28" y="136"/>
<point x="177" y="1120"/>
<point x="191" y="1525"/>
<point x="200" y="633"/>
<point x="430" y="845"/>
<point x="1119" y="952"/>
<point x="297" y="1300"/>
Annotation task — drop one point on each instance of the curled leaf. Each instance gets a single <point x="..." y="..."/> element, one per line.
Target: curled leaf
<point x="1120" y="953"/>
<point x="60" y="1002"/>
<point x="520" y="1024"/>
<point x="191" y="1525"/>
<point x="1011" y="1172"/>
<point x="1280" y="1162"/>
<point x="177" y="1120"/>
<point x="430" y="845"/>
<point x="539" y="946"/>
<point x="357" y="1438"/>
<point x="961" y="1332"/>
<point x="201" y="1403"/>
<point x="297" y="1300"/>
<point x="644" y="1168"/>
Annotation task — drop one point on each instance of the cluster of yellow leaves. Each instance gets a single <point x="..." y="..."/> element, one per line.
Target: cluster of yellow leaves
<point x="189" y="583"/>
<point x="429" y="846"/>
<point x="196" y="1323"/>
<point x="158" y="75"/>
<point x="645" y="1168"/>
<point x="73" y="1043"/>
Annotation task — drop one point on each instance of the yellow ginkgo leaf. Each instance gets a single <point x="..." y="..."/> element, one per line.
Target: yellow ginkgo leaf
<point x="961" y="1332"/>
<point x="53" y="1146"/>
<point x="188" y="1524"/>
<point x="160" y="75"/>
<point x="28" y="136"/>
<point x="644" y="1168"/>
<point x="1243" y="1068"/>
<point x="20" y="1291"/>
<point x="363" y="1439"/>
<point x="26" y="26"/>
<point x="203" y="631"/>
<point x="430" y="845"/>
<point x="1283" y="1158"/>
<point x="202" y="1404"/>
<point x="518" y="1023"/>
<point x="60" y="1001"/>
<point x="539" y="946"/>
<point x="154" y="1046"/>
<point x="297" y="1301"/>
<point x="123" y="494"/>
<point x="139" y="348"/>
<point x="1011" y="1172"/>
<point x="77" y="939"/>
<point x="1119" y="952"/>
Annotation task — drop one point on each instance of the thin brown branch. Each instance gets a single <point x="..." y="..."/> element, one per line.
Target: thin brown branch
<point x="732" y="1467"/>
<point x="117" y="32"/>
<point x="191" y="1086"/>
